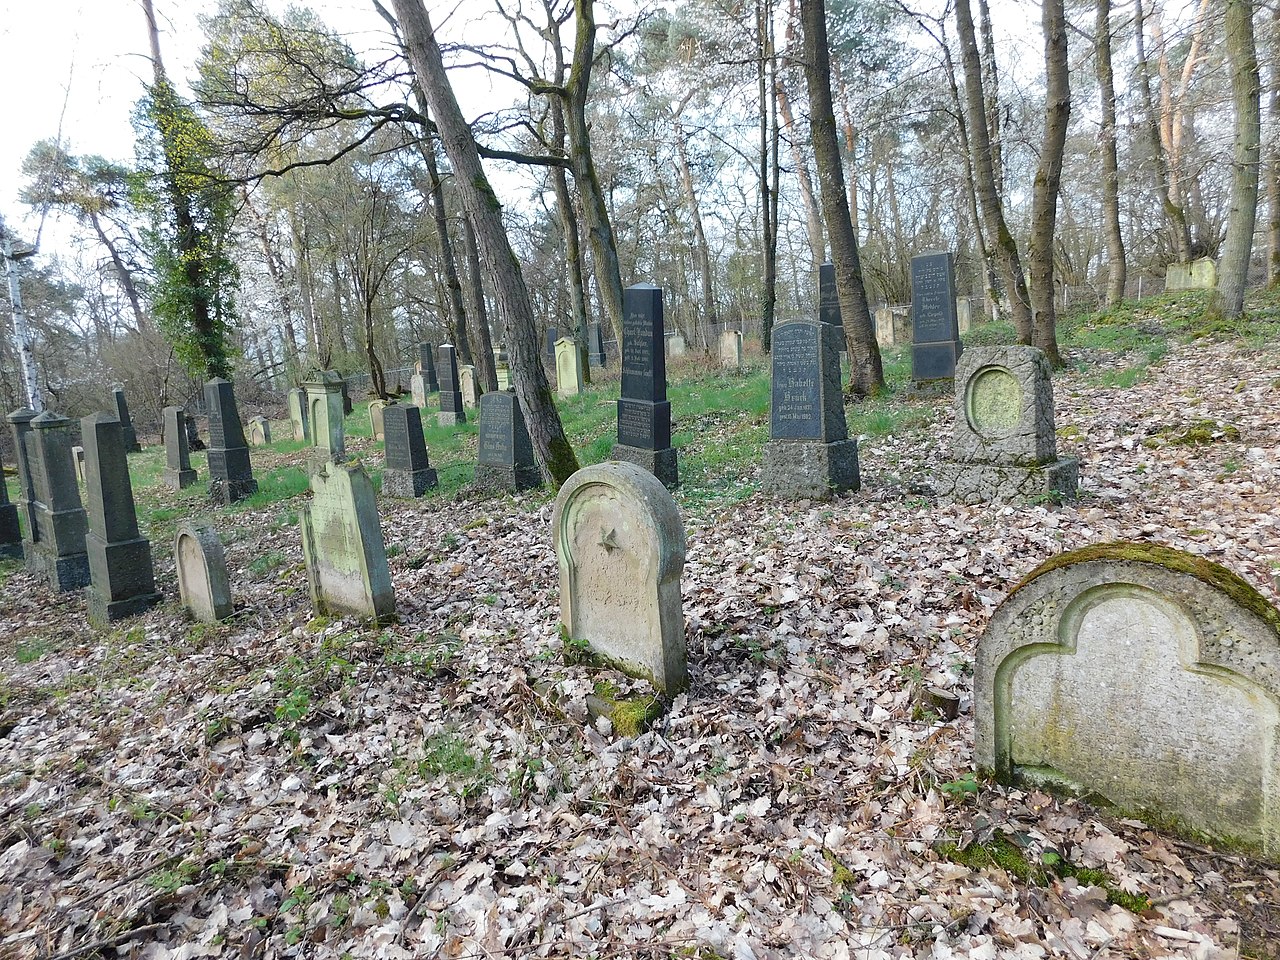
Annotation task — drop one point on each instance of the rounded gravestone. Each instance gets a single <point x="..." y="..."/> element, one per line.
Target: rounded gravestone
<point x="993" y="401"/>
<point x="202" y="572"/>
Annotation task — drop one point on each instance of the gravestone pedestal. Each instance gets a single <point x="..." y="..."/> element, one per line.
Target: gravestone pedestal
<point x="644" y="414"/>
<point x="935" y="335"/>
<point x="505" y="463"/>
<point x="230" y="472"/>
<point x="58" y="551"/>
<point x="407" y="472"/>
<point x="178" y="474"/>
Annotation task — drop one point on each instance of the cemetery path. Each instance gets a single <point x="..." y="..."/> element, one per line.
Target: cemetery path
<point x="280" y="785"/>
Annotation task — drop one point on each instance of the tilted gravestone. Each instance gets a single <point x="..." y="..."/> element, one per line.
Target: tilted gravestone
<point x="202" y="572"/>
<point x="325" y="417"/>
<point x="505" y="461"/>
<point x="1143" y="675"/>
<point x="644" y="414"/>
<point x="731" y="349"/>
<point x="10" y="529"/>
<point x="621" y="548"/>
<point x="568" y="368"/>
<point x="178" y="474"/>
<point x="829" y="302"/>
<point x="122" y="578"/>
<point x="451" y="411"/>
<point x="596" y="355"/>
<point x="809" y="453"/>
<point x="230" y="472"/>
<point x="342" y="545"/>
<point x="1004" y="447"/>
<point x="131" y="444"/>
<point x="376" y="423"/>
<point x="468" y="386"/>
<point x="259" y="432"/>
<point x="426" y="366"/>
<point x="298" y="414"/>
<point x="407" y="471"/>
<point x="57" y="551"/>
<point x="935" y="336"/>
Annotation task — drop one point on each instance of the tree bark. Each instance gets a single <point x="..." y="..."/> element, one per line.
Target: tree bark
<point x="554" y="453"/>
<point x="866" y="373"/>
<point x="808" y="199"/>
<point x="1242" y="57"/>
<point x="768" y="194"/>
<point x="577" y="288"/>
<point x="1273" y="161"/>
<point x="1116" y="268"/>
<point x="486" y="369"/>
<point x="701" y="249"/>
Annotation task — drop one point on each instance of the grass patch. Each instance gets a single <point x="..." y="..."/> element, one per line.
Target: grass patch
<point x="280" y="483"/>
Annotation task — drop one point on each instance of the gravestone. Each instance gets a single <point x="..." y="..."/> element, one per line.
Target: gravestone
<point x="893" y="326"/>
<point x="376" y="411"/>
<point x="568" y="368"/>
<point x="298" y="414"/>
<point x="418" y="390"/>
<point x="644" y="414"/>
<point x="202" y="572"/>
<point x="1145" y="676"/>
<point x="56" y="552"/>
<point x="505" y="462"/>
<point x="24" y="454"/>
<point x="552" y="336"/>
<point x="502" y="368"/>
<point x="122" y="579"/>
<point x="10" y="529"/>
<point x="1199" y="274"/>
<point x="407" y="471"/>
<point x="809" y="453"/>
<point x="427" y="367"/>
<point x="230" y="473"/>
<point x="342" y="545"/>
<point x="451" y="411"/>
<point x="1004" y="447"/>
<point x="178" y="474"/>
<point x="964" y="315"/>
<point x="935" y="337"/>
<point x="468" y="386"/>
<point x="344" y="389"/>
<point x="596" y="355"/>
<point x="325" y="418"/>
<point x="676" y="345"/>
<point x="829" y="302"/>
<point x="193" y="434"/>
<point x="131" y="444"/>
<point x="259" y="432"/>
<point x="621" y="548"/>
<point x="731" y="350"/>
<point x="77" y="461"/>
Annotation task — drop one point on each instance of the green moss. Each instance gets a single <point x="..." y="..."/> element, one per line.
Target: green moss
<point x="630" y="716"/>
<point x="1178" y="561"/>
<point x="1199" y="433"/>
<point x="841" y="876"/>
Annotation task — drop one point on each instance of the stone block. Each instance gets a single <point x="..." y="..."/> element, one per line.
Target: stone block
<point x="202" y="572"/>
<point x="1199" y="274"/>
<point x="178" y="473"/>
<point x="975" y="483"/>
<point x="810" y="469"/>
<point x="663" y="464"/>
<point x="407" y="471"/>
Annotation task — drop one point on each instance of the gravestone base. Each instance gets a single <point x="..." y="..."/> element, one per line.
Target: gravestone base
<point x="123" y="584"/>
<point x="491" y="478"/>
<point x="408" y="484"/>
<point x="10" y="533"/>
<point x="974" y="483"/>
<point x="661" y="463"/>
<point x="447" y="418"/>
<point x="227" y="492"/>
<point x="810" y="469"/>
<point x="63" y="574"/>
<point x="178" y="479"/>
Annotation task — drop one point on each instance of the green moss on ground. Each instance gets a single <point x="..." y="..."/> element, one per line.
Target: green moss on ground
<point x="630" y="716"/>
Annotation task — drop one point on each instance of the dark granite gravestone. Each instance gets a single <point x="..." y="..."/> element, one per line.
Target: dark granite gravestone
<point x="505" y="461"/>
<point x="178" y="474"/>
<point x="122" y="578"/>
<point x="809" y="453"/>
<point x="230" y="473"/>
<point x="596" y="355"/>
<point x="935" y="336"/>
<point x="131" y="444"/>
<point x="58" y="548"/>
<point x="829" y="301"/>
<point x="427" y="366"/>
<point x="407" y="471"/>
<point x="552" y="336"/>
<point x="451" y="411"/>
<point x="347" y="405"/>
<point x="20" y="424"/>
<point x="10" y="529"/>
<point x="193" y="433"/>
<point x="644" y="415"/>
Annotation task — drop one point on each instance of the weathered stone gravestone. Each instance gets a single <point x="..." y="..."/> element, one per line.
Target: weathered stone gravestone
<point x="568" y="368"/>
<point x="1199" y="274"/>
<point x="829" y="302"/>
<point x="505" y="462"/>
<point x="407" y="471"/>
<point x="10" y="529"/>
<point x="676" y="345"/>
<point x="731" y="349"/>
<point x="502" y="368"/>
<point x="893" y="325"/>
<point x="56" y="519"/>
<point x="621" y="547"/>
<point x="1004" y="447"/>
<point x="644" y="414"/>
<point x="298" y="414"/>
<point x="964" y="315"/>
<point x="468" y="386"/>
<point x="325" y="417"/>
<point x="810" y="453"/>
<point x="935" y="337"/>
<point x="426" y="366"/>
<point x="131" y="444"/>
<point x="342" y="544"/>
<point x="202" y="572"/>
<point x="376" y="410"/>
<point x="178" y="474"/>
<point x="451" y="410"/>
<point x="24" y="452"/>
<point x="122" y="579"/>
<point x="259" y="432"/>
<point x="1143" y="675"/>
<point x="596" y="355"/>
<point x="418" y="390"/>
<point x="77" y="461"/>
<point x="230" y="473"/>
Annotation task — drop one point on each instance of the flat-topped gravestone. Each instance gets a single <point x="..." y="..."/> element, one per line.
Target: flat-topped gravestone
<point x="259" y="432"/>
<point x="596" y="355"/>
<point x="468" y="386"/>
<point x="407" y="471"/>
<point x="10" y="529"/>
<point x="1004" y="446"/>
<point x="418" y="390"/>
<point x="24" y="454"/>
<point x="131" y="444"/>
<point x="451" y="410"/>
<point x="77" y="461"/>
<point x="505" y="462"/>
<point x="676" y="346"/>
<point x="298" y="414"/>
<point x="202" y="572"/>
<point x="376" y="424"/>
<point x="1142" y="675"/>
<point x="935" y="337"/>
<point x="343" y="547"/>
<point x="731" y="349"/>
<point x="568" y="368"/>
<point x="57" y="552"/>
<point x="809" y="454"/>
<point x="644" y="414"/>
<point x="178" y="474"/>
<point x="426" y="366"/>
<point x="1199" y="274"/>
<point x="621" y="548"/>
<point x="964" y="315"/>
<point x="829" y="302"/>
<point x="325" y="417"/>
<point x="893" y="325"/>
<point x="230" y="473"/>
<point x="122" y="578"/>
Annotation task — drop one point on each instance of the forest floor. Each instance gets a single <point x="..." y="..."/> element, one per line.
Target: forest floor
<point x="285" y="785"/>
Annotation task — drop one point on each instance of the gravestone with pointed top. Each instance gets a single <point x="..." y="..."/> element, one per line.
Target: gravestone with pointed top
<point x="325" y="417"/>
<point x="10" y="529"/>
<point x="505" y="462"/>
<point x="568" y="368"/>
<point x="298" y="414"/>
<point x="407" y="472"/>
<point x="644" y="414"/>
<point x="58" y="551"/>
<point x="426" y="366"/>
<point x="829" y="302"/>
<point x="203" y="584"/>
<point x="596" y="355"/>
<point x="451" y="410"/>
<point x="131" y="444"/>
<point x="178" y="474"/>
<point x="230" y="472"/>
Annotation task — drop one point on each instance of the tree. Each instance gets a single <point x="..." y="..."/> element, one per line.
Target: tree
<point x="1242" y="55"/>
<point x="1116" y="269"/>
<point x="21" y="329"/>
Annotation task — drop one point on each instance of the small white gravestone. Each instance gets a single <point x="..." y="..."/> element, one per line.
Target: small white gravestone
<point x="468" y="385"/>
<point x="620" y="544"/>
<point x="568" y="368"/>
<point x="376" y="428"/>
<point x="259" y="432"/>
<point x="202" y="572"/>
<point x="731" y="349"/>
<point x="1144" y="675"/>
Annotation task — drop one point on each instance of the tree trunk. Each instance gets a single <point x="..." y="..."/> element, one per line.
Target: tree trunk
<point x="768" y="197"/>
<point x="1242" y="57"/>
<point x="554" y="453"/>
<point x="276" y="269"/>
<point x="701" y="249"/>
<point x="448" y="262"/>
<point x="1273" y="162"/>
<point x="486" y="369"/>
<point x="866" y="374"/>
<point x="569" y="227"/>
<point x="1044" y="201"/>
<point x="1116" y="269"/>
<point x="21" y="330"/>
<point x="991" y="89"/>
<point x="812" y="211"/>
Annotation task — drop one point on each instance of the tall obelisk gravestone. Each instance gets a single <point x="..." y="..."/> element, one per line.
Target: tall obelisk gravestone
<point x="451" y="411"/>
<point x="935" y="334"/>
<point x="644" y="414"/>
<point x="10" y="531"/>
<point x="427" y="363"/>
<point x="230" y="473"/>
<point x="131" y="444"/>
<point x="829" y="302"/>
<point x="58" y="551"/>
